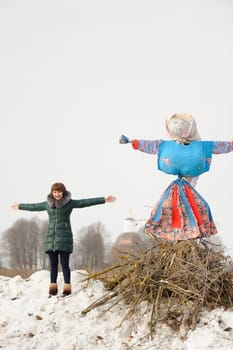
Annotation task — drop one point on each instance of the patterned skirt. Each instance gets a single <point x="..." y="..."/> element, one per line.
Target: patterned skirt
<point x="180" y="214"/>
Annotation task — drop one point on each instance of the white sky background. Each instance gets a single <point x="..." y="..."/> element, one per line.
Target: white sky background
<point x="75" y="75"/>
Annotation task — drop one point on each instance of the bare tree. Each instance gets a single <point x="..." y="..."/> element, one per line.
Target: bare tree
<point x="42" y="259"/>
<point x="22" y="244"/>
<point x="214" y="243"/>
<point x="89" y="251"/>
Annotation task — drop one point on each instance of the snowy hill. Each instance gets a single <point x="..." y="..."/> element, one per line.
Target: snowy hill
<point x="31" y="320"/>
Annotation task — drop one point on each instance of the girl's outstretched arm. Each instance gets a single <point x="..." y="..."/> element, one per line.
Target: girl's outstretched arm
<point x="30" y="206"/>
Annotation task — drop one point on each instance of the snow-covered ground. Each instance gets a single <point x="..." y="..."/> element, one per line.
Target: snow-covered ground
<point x="31" y="320"/>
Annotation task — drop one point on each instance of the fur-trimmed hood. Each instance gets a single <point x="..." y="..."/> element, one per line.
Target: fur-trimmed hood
<point x="53" y="203"/>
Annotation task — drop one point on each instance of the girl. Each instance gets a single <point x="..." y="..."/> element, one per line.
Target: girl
<point x="181" y="213"/>
<point x="59" y="237"/>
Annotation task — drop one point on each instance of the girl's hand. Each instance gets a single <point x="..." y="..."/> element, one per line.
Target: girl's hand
<point x="110" y="199"/>
<point x="15" y="206"/>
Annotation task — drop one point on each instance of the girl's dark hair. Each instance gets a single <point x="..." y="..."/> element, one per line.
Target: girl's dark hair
<point x="58" y="186"/>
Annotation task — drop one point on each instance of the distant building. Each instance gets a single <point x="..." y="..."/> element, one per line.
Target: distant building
<point x="128" y="243"/>
<point x="129" y="239"/>
<point x="130" y="225"/>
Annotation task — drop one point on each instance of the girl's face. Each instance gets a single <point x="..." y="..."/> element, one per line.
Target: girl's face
<point x="57" y="194"/>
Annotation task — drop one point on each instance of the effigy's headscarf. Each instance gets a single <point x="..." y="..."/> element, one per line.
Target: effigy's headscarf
<point x="182" y="128"/>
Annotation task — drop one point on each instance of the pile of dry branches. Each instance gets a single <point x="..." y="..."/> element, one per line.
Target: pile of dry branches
<point x="176" y="280"/>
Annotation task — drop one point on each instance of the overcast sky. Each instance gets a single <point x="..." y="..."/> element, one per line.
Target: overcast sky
<point x="75" y="75"/>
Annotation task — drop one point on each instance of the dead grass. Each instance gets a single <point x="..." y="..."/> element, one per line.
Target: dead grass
<point x="14" y="272"/>
<point x="176" y="280"/>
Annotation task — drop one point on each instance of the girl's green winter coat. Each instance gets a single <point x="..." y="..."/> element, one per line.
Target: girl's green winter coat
<point x="59" y="235"/>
